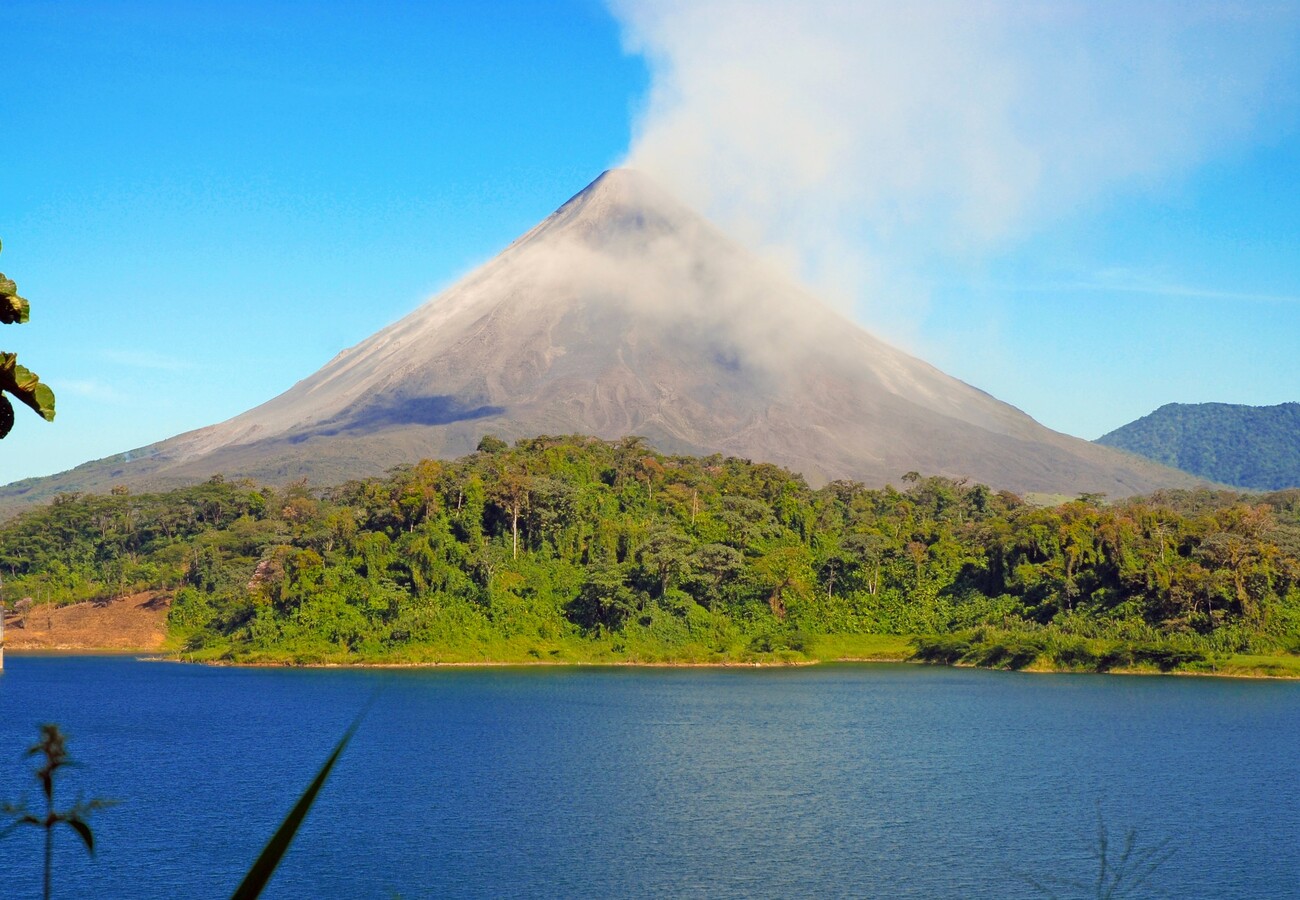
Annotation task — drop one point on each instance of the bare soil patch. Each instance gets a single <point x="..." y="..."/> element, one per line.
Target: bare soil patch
<point x="134" y="622"/>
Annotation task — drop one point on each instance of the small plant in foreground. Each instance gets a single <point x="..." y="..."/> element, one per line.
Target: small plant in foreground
<point x="1122" y="871"/>
<point x="53" y="746"/>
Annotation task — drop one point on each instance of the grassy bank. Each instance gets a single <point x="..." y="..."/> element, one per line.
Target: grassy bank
<point x="1258" y="666"/>
<point x="568" y="651"/>
<point x="987" y="650"/>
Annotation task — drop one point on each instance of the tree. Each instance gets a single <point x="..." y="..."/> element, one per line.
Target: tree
<point x="783" y="569"/>
<point x="510" y="494"/>
<point x="648" y="468"/>
<point x="665" y="556"/>
<point x="869" y="548"/>
<point x="717" y="564"/>
<point x="490" y="443"/>
<point x="15" y="379"/>
<point x="605" y="600"/>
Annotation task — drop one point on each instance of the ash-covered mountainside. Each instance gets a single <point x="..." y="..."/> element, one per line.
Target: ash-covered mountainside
<point x="624" y="312"/>
<point x="1244" y="446"/>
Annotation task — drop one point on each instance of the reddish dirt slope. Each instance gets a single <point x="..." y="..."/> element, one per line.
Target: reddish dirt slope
<point x="136" y="622"/>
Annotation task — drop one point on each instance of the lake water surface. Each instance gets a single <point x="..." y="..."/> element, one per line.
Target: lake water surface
<point x="835" y="781"/>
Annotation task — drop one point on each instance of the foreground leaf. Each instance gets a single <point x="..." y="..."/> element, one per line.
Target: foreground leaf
<point x="267" y="861"/>
<point x="26" y="385"/>
<point x="86" y="836"/>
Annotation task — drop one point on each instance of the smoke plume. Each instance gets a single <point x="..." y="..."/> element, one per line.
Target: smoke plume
<point x="863" y="143"/>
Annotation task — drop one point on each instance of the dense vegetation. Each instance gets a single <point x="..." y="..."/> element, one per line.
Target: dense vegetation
<point x="1246" y="446"/>
<point x="573" y="548"/>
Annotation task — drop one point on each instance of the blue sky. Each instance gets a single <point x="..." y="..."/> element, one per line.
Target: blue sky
<point x="205" y="202"/>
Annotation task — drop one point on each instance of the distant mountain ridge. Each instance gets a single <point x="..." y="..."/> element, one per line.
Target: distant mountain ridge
<point x="625" y="312"/>
<point x="1244" y="446"/>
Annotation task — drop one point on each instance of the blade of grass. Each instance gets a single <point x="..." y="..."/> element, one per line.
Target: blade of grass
<point x="267" y="861"/>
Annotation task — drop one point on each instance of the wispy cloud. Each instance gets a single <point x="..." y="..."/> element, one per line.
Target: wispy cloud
<point x="1131" y="283"/>
<point x="137" y="359"/>
<point x="1178" y="290"/>
<point x="91" y="390"/>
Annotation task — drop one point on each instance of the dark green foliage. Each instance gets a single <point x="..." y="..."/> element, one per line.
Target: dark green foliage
<point x="1011" y="652"/>
<point x="1246" y="446"/>
<point x="1165" y="658"/>
<point x="946" y="649"/>
<point x="997" y="649"/>
<point x="520" y="552"/>
<point x="982" y="648"/>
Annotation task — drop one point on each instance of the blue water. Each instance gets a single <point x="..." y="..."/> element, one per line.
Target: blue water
<point x="850" y="781"/>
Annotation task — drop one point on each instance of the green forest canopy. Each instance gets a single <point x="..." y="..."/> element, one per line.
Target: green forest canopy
<point x="576" y="548"/>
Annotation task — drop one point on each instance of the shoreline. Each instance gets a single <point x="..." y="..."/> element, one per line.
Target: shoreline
<point x="149" y="655"/>
<point x="502" y="664"/>
<point x="68" y="650"/>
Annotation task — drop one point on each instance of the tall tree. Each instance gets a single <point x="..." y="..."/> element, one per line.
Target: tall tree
<point x="511" y="493"/>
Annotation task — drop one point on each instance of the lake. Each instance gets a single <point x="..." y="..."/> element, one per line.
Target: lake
<point x="828" y="781"/>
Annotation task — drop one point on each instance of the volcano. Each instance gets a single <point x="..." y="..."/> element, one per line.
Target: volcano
<point x="624" y="312"/>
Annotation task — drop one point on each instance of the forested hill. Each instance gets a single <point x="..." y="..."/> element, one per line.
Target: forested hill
<point x="576" y="548"/>
<point x="1245" y="446"/>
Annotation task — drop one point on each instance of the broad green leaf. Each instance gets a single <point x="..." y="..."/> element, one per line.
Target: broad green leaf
<point x="26" y="385"/>
<point x="44" y="398"/>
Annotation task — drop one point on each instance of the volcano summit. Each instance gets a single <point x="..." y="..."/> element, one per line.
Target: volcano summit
<point x="624" y="312"/>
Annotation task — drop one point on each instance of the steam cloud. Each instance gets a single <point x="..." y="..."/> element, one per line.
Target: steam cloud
<point x="859" y="142"/>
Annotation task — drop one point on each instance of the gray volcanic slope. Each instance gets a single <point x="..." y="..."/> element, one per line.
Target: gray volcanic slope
<point x="626" y="313"/>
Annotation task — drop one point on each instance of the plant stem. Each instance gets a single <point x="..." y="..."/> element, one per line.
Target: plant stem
<point x="49" y="856"/>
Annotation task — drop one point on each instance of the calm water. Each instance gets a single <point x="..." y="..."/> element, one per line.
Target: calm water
<point x="832" y="781"/>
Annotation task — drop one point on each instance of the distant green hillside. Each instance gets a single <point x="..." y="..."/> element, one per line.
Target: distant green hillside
<point x="1245" y="446"/>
